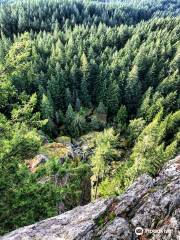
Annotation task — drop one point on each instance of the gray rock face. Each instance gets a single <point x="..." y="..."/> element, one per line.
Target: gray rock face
<point x="119" y="228"/>
<point x="151" y="204"/>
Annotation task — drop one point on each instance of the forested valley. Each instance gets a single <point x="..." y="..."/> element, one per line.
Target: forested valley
<point x="102" y="77"/>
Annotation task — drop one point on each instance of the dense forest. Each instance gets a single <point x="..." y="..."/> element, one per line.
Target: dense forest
<point x="106" y="71"/>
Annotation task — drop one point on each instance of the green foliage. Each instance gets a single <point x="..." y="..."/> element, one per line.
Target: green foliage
<point x="69" y="118"/>
<point x="112" y="186"/>
<point x="148" y="159"/>
<point x="47" y="112"/>
<point x="24" y="113"/>
<point x="100" y="70"/>
<point x="75" y="122"/>
<point x="42" y="15"/>
<point x="24" y="197"/>
<point x="104" y="153"/>
<point x="133" y="89"/>
<point x="20" y="64"/>
<point x="27" y="202"/>
<point x="121" y="118"/>
<point x="6" y="88"/>
<point x="154" y="153"/>
<point x="17" y="143"/>
<point x="97" y="123"/>
<point x="84" y="82"/>
<point x="71" y="67"/>
<point x="101" y="108"/>
<point x="78" y="125"/>
<point x="112" y="97"/>
<point x="135" y="128"/>
<point x="72" y="176"/>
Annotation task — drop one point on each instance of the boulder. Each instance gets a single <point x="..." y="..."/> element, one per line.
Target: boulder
<point x="36" y="162"/>
<point x="57" y="150"/>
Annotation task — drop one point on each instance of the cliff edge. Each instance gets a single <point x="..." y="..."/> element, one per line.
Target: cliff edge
<point x="149" y="209"/>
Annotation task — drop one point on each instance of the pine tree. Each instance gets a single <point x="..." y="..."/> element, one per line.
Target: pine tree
<point x="101" y="108"/>
<point x="47" y="110"/>
<point x="121" y="118"/>
<point x="85" y="98"/>
<point x="78" y="104"/>
<point x="69" y="118"/>
<point x="25" y="113"/>
<point x="112" y="100"/>
<point x="7" y="90"/>
<point x="56" y="88"/>
<point x="68" y="97"/>
<point x="104" y="152"/>
<point x="133" y="90"/>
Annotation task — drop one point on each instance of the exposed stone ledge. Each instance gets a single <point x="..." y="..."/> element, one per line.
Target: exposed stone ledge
<point x="149" y="203"/>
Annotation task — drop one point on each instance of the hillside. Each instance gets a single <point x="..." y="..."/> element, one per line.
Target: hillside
<point x="89" y="101"/>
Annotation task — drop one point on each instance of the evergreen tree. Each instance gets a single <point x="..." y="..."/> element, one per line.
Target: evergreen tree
<point x="101" y="108"/>
<point x="104" y="152"/>
<point x="78" y="104"/>
<point x="47" y="112"/>
<point x="112" y="100"/>
<point x="133" y="90"/>
<point x="56" y="90"/>
<point x="68" y="97"/>
<point x="69" y="118"/>
<point x="121" y="118"/>
<point x="19" y="61"/>
<point x="85" y="98"/>
<point x="24" y="113"/>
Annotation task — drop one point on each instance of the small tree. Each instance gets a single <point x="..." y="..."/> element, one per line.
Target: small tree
<point x="69" y="118"/>
<point x="105" y="151"/>
<point x="78" y="104"/>
<point x="121" y="118"/>
<point x="101" y="108"/>
<point x="70" y="115"/>
<point x="135" y="128"/>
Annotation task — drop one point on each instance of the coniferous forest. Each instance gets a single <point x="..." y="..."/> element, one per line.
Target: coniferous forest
<point x="102" y="76"/>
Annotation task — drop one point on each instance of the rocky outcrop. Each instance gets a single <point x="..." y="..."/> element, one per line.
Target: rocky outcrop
<point x="61" y="151"/>
<point x="149" y="209"/>
<point x="34" y="163"/>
